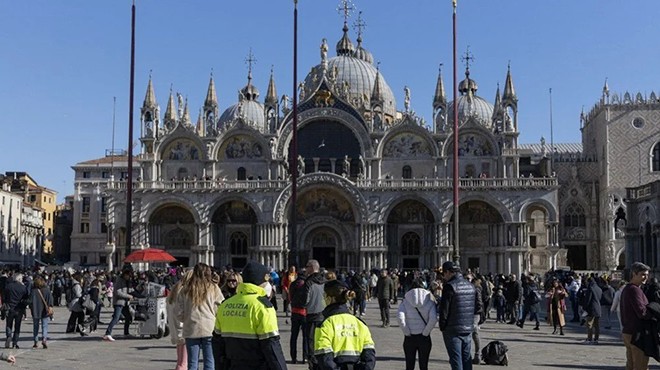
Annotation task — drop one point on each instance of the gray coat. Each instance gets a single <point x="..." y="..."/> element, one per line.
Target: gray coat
<point x="37" y="307"/>
<point x="121" y="295"/>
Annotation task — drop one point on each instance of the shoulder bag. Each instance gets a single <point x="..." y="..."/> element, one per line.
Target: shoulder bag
<point x="49" y="309"/>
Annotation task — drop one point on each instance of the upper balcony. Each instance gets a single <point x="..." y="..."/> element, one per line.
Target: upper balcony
<point x="524" y="183"/>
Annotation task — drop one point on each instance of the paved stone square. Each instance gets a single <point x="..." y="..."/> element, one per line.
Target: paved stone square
<point x="527" y="348"/>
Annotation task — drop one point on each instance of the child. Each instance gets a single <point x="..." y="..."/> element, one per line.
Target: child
<point x="500" y="305"/>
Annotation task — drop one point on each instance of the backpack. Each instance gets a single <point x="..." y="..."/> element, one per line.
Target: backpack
<point x="535" y="296"/>
<point x="495" y="353"/>
<point x="607" y="297"/>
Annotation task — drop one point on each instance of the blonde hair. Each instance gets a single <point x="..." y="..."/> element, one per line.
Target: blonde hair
<point x="176" y="289"/>
<point x="199" y="284"/>
<point x="235" y="275"/>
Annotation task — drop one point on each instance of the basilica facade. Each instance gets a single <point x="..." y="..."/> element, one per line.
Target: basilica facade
<point x="374" y="186"/>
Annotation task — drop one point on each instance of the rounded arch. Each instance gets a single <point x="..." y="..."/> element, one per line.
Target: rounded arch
<point x="172" y="227"/>
<point x="329" y="114"/>
<point x="549" y="208"/>
<point x="654" y="157"/>
<point x="171" y="199"/>
<point x="241" y="143"/>
<point x="475" y="141"/>
<point x="324" y="223"/>
<point x="387" y="212"/>
<point x="387" y="147"/>
<point x="496" y="204"/>
<point x="220" y="202"/>
<point x="342" y="185"/>
<point x="182" y="146"/>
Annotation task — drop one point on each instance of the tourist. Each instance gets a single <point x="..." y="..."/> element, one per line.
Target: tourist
<point x="315" y="302"/>
<point x="196" y="306"/>
<point x="14" y="296"/>
<point x="573" y="287"/>
<point x="385" y="292"/>
<point x="500" y="305"/>
<point x="593" y="309"/>
<point x="531" y="303"/>
<point x="514" y="295"/>
<point x="77" y="317"/>
<point x="417" y="317"/>
<point x="232" y="280"/>
<point x="287" y="279"/>
<point x="633" y="314"/>
<point x="556" y="306"/>
<point x="120" y="301"/>
<point x="456" y="316"/>
<point x="616" y="302"/>
<point x="175" y="325"/>
<point x="298" y="299"/>
<point x="342" y="341"/>
<point x="606" y="299"/>
<point x="42" y="299"/>
<point x="479" y="318"/>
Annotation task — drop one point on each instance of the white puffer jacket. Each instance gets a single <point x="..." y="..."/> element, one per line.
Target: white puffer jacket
<point x="410" y="320"/>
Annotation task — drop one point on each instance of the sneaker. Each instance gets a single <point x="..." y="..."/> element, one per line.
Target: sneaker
<point x="587" y="342"/>
<point x="595" y="343"/>
<point x="108" y="338"/>
<point x="35" y="346"/>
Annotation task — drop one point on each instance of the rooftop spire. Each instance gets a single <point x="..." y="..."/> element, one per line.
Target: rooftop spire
<point x="170" y="113"/>
<point x="150" y="97"/>
<point x="211" y="96"/>
<point x="497" y="107"/>
<point x="271" y="94"/>
<point x="185" y="118"/>
<point x="509" y="92"/>
<point x="199" y="127"/>
<point x="345" y="46"/>
<point x="376" y="94"/>
<point x="439" y="99"/>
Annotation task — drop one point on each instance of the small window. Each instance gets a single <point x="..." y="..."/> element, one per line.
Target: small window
<point x="638" y="122"/>
<point x="85" y="174"/>
<point x="105" y="174"/>
<point x="85" y="204"/>
<point x="83" y="259"/>
<point x="84" y="227"/>
<point x="104" y="227"/>
<point x="532" y="241"/>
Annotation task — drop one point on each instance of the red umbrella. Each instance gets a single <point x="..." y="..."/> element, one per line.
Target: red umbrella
<point x="149" y="255"/>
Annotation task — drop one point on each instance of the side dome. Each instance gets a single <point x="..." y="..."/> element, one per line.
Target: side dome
<point x="252" y="113"/>
<point x="471" y="106"/>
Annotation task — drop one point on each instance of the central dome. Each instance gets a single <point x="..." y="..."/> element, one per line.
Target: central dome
<point x="471" y="106"/>
<point x="353" y="67"/>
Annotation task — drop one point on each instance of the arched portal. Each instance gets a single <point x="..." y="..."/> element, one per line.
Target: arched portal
<point x="324" y="243"/>
<point x="234" y="231"/>
<point x="476" y="218"/>
<point x="329" y="146"/>
<point x="410" y="234"/>
<point x="172" y="227"/>
<point x="536" y="221"/>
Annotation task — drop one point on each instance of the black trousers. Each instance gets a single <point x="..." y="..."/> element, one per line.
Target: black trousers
<point x="414" y="344"/>
<point x="311" y="321"/>
<point x="76" y="321"/>
<point x="298" y="325"/>
<point x="384" y="306"/>
<point x="13" y="329"/>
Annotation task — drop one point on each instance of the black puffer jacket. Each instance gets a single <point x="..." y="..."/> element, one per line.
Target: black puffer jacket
<point x="457" y="306"/>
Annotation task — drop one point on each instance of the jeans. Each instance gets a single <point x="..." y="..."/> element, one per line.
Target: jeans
<point x="297" y="325"/>
<point x="459" y="348"/>
<point x="475" y="336"/>
<point x="359" y="306"/>
<point x="14" y="320"/>
<point x="417" y="343"/>
<point x="116" y="314"/>
<point x="574" y="306"/>
<point x="44" y="329"/>
<point x="532" y="315"/>
<point x="193" y="346"/>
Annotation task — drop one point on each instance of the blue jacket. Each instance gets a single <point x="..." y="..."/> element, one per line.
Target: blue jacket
<point x="457" y="306"/>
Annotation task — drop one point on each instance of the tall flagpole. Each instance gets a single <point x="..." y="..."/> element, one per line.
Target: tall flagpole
<point x="456" y="251"/>
<point x="552" y="141"/>
<point x="129" y="180"/>
<point x="293" y="157"/>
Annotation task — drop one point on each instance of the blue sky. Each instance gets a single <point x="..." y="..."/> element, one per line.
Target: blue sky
<point x="62" y="62"/>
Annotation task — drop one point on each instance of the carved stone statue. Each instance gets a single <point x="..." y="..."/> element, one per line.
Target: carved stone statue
<point x="324" y="51"/>
<point x="347" y="165"/>
<point x="406" y="99"/>
<point x="363" y="165"/>
<point x="285" y="104"/>
<point x="179" y="98"/>
<point x="301" y="165"/>
<point x="301" y="87"/>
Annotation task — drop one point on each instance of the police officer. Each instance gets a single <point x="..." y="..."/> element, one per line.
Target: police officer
<point x="246" y="325"/>
<point x="342" y="341"/>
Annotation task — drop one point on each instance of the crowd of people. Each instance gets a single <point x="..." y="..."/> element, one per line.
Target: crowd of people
<point x="229" y="317"/>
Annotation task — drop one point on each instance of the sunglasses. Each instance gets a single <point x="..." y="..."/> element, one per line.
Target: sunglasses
<point x="231" y="281"/>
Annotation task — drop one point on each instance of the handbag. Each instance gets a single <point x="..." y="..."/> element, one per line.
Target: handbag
<point x="87" y="303"/>
<point x="49" y="309"/>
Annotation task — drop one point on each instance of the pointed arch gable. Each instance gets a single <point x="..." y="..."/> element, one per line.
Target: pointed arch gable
<point x="414" y="141"/>
<point x="188" y="140"/>
<point x="495" y="203"/>
<point x="470" y="141"/>
<point x="231" y="198"/>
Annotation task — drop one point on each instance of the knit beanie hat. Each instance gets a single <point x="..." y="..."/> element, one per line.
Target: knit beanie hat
<point x="255" y="273"/>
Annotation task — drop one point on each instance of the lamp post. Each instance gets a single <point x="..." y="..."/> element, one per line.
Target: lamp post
<point x="293" y="154"/>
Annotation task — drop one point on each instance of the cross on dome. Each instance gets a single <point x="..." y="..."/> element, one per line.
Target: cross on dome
<point x="249" y="61"/>
<point x="346" y="7"/>
<point x="359" y="25"/>
<point x="467" y="58"/>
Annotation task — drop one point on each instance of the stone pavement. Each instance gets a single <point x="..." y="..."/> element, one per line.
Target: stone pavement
<point x="528" y="349"/>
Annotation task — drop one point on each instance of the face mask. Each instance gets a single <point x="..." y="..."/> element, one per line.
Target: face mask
<point x="328" y="300"/>
<point x="268" y="288"/>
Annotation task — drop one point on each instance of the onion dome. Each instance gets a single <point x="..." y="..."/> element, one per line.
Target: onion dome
<point x="362" y="53"/>
<point x="247" y="108"/>
<point x="345" y="46"/>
